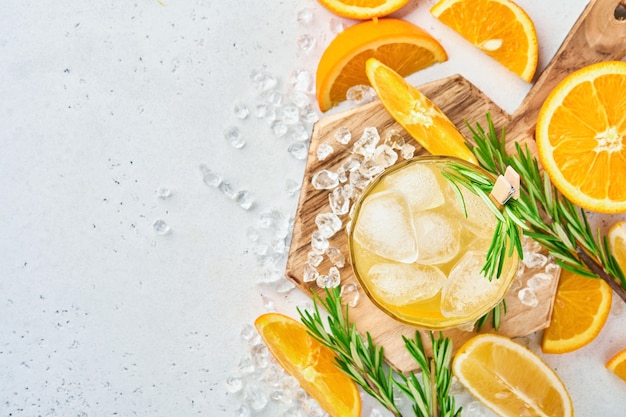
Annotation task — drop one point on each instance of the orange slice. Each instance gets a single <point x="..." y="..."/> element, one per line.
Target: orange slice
<point x="499" y="28"/>
<point x="363" y="9"/>
<point x="580" y="310"/>
<point x="617" y="242"/>
<point x="403" y="46"/>
<point x="510" y="379"/>
<point x="311" y="363"/>
<point x="419" y="116"/>
<point x="617" y="364"/>
<point x="581" y="135"/>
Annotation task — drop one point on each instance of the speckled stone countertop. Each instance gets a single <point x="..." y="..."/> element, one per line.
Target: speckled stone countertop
<point x="127" y="283"/>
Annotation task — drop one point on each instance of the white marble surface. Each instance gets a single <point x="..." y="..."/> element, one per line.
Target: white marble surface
<point x="101" y="104"/>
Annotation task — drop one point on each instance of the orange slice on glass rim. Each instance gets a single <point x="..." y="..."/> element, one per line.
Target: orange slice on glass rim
<point x="419" y="116"/>
<point x="403" y="46"/>
<point x="499" y="28"/>
<point x="311" y="363"/>
<point x="581" y="137"/>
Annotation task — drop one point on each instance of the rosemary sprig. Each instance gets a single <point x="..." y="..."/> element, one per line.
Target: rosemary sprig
<point x="506" y="237"/>
<point x="363" y="361"/>
<point x="543" y="214"/>
<point x="496" y="316"/>
<point x="430" y="396"/>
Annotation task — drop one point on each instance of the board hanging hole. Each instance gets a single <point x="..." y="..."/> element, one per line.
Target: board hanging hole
<point x="620" y="11"/>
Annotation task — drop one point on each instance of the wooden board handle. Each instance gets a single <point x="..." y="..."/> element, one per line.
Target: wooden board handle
<point x="598" y="35"/>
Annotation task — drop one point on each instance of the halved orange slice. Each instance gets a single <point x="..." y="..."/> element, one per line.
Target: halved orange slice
<point x="580" y="310"/>
<point x="499" y="28"/>
<point x="363" y="9"/>
<point x="510" y="379"/>
<point x="419" y="116"/>
<point x="311" y="363"/>
<point x="403" y="46"/>
<point x="581" y="137"/>
<point x="617" y="364"/>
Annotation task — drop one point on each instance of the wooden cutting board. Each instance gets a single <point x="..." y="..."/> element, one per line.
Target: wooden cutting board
<point x="596" y="36"/>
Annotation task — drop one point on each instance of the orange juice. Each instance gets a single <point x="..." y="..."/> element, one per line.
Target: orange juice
<point x="416" y="254"/>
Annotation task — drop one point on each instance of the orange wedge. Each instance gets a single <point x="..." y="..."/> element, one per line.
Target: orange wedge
<point x="419" y="116"/>
<point x="510" y="379"/>
<point x="581" y="135"/>
<point x="499" y="28"/>
<point x="403" y="46"/>
<point x="363" y="9"/>
<point x="617" y="364"/>
<point x="311" y="363"/>
<point x="580" y="310"/>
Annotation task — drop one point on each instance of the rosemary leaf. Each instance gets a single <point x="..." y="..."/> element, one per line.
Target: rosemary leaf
<point x="548" y="195"/>
<point x="569" y="242"/>
<point x="576" y="269"/>
<point x="481" y="321"/>
<point x="512" y="215"/>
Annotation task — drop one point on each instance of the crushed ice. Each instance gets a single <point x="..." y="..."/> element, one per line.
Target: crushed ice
<point x="537" y="272"/>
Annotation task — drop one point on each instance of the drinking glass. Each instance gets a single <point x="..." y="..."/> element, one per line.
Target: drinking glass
<point x="417" y="249"/>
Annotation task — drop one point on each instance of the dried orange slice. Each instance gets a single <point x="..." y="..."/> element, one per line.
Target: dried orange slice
<point x="363" y="9"/>
<point x="510" y="379"/>
<point x="311" y="363"/>
<point x="499" y="28"/>
<point x="419" y="116"/>
<point x="617" y="364"/>
<point x="581" y="135"/>
<point x="403" y="46"/>
<point x="580" y="310"/>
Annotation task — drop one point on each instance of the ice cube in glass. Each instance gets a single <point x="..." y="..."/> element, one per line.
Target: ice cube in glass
<point x="467" y="290"/>
<point x="385" y="227"/>
<point x="419" y="184"/>
<point x="402" y="284"/>
<point x="438" y="237"/>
